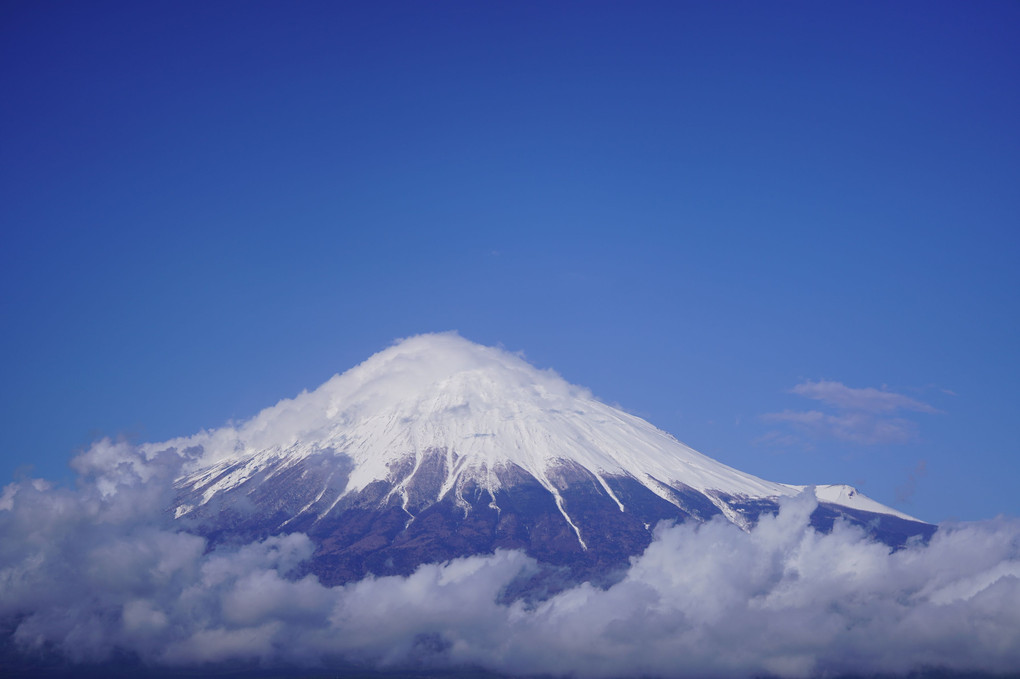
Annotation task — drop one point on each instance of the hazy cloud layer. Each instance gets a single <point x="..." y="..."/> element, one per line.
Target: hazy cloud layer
<point x="101" y="570"/>
<point x="863" y="428"/>
<point x="865" y="400"/>
<point x="905" y="491"/>
<point x="867" y="416"/>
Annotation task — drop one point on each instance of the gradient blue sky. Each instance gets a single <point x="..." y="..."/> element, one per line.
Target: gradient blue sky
<point x="749" y="223"/>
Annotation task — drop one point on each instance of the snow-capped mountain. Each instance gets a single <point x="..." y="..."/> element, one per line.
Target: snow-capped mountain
<point x="438" y="447"/>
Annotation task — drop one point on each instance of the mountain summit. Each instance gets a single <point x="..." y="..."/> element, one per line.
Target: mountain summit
<point x="438" y="447"/>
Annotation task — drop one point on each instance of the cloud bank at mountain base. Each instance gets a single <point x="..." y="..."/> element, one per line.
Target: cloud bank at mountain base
<point x="102" y="571"/>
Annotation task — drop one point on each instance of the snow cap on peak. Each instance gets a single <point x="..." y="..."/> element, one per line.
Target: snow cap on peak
<point x="418" y="379"/>
<point x="425" y="362"/>
<point x="484" y="408"/>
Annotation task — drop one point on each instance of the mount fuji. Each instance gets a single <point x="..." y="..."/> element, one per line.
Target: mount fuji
<point x="437" y="448"/>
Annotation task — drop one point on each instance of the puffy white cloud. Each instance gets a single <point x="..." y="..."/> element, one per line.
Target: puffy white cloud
<point x="97" y="571"/>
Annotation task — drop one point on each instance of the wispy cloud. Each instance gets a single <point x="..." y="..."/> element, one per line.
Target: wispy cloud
<point x="857" y="427"/>
<point x="906" y="490"/>
<point x="868" y="416"/>
<point x="868" y="399"/>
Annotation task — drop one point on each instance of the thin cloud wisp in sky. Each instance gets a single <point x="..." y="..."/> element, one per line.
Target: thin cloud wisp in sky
<point x="867" y="399"/>
<point x="866" y="416"/>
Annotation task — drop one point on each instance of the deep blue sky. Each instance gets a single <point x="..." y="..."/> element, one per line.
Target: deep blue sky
<point x="689" y="208"/>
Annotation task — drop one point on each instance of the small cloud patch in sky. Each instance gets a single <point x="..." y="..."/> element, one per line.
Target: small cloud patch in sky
<point x="867" y="416"/>
<point x="868" y="400"/>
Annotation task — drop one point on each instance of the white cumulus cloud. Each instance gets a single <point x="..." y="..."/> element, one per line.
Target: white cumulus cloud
<point x="102" y="571"/>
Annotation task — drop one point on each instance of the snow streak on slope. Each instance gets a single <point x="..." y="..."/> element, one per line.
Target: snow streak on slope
<point x="486" y="408"/>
